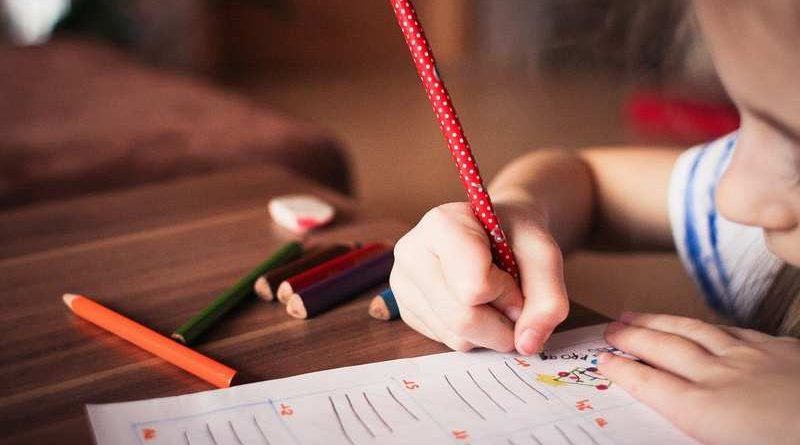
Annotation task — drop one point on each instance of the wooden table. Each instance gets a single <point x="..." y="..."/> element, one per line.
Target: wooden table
<point x="158" y="254"/>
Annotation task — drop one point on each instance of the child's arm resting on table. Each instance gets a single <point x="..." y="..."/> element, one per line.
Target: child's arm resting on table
<point x="548" y="201"/>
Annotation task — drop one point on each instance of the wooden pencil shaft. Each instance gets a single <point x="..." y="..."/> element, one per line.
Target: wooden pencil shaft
<point x="332" y="267"/>
<point x="151" y="341"/>
<point x="302" y="264"/>
<point x="347" y="284"/>
<point x="197" y="325"/>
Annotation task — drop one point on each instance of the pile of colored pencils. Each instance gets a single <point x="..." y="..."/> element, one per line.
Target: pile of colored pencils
<point x="309" y="281"/>
<point x="324" y="279"/>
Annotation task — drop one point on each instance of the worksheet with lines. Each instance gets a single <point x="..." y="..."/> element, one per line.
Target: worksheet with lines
<point x="557" y="397"/>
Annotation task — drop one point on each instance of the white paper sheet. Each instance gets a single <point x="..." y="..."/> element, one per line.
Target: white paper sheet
<point x="477" y="398"/>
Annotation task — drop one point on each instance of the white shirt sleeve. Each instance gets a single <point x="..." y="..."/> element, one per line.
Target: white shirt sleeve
<point x="729" y="262"/>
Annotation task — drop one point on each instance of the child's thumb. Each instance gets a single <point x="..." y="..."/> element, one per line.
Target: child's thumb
<point x="545" y="296"/>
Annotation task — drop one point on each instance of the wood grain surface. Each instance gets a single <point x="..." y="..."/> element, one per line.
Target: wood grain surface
<point x="158" y="254"/>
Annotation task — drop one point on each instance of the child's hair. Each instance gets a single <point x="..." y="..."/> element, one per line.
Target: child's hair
<point x="656" y="38"/>
<point x="643" y="39"/>
<point x="661" y="39"/>
<point x="779" y="310"/>
<point x="682" y="52"/>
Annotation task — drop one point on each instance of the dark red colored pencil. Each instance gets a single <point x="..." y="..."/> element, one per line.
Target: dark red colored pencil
<point x="316" y="274"/>
<point x="266" y="286"/>
<point x="341" y="287"/>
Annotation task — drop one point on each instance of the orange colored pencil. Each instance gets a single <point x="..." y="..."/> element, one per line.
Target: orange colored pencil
<point x="151" y="341"/>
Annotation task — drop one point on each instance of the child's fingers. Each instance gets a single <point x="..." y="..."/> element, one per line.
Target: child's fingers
<point x="747" y="335"/>
<point x="404" y="292"/>
<point x="436" y="332"/>
<point x="509" y="299"/>
<point x="666" y="351"/>
<point x="447" y="338"/>
<point x="662" y="391"/>
<point x="480" y="325"/>
<point x="418" y="315"/>
<point x="456" y="238"/>
<point x="448" y="232"/>
<point x="545" y="295"/>
<point x="706" y="335"/>
<point x="415" y="323"/>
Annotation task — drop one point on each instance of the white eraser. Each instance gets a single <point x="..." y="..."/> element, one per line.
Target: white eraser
<point x="300" y="213"/>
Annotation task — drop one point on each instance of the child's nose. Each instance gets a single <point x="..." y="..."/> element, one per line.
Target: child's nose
<point x="753" y="196"/>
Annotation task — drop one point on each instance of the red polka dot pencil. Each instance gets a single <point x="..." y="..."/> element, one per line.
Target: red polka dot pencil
<point x="449" y="124"/>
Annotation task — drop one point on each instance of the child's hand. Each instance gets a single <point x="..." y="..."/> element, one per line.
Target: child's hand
<point x="448" y="289"/>
<point x="721" y="385"/>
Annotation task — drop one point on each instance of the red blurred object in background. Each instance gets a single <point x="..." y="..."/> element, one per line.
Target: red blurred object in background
<point x="655" y="114"/>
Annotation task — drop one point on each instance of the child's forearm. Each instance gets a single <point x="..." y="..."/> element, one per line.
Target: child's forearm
<point x="616" y="197"/>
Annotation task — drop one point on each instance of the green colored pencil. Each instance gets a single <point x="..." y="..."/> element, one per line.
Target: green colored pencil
<point x="197" y="325"/>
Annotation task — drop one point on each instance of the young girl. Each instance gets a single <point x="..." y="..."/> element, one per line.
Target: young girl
<point x="731" y="207"/>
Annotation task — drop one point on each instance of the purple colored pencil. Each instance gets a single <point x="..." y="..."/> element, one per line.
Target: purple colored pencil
<point x="341" y="287"/>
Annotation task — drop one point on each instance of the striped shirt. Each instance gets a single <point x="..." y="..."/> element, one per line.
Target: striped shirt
<point x="729" y="262"/>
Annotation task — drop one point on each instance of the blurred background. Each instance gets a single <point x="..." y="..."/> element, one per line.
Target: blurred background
<point x="106" y="94"/>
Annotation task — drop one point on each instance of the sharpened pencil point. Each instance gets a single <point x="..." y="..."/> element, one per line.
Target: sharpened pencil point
<point x="378" y="309"/>
<point x="285" y="292"/>
<point x="261" y="288"/>
<point x="178" y="337"/>
<point x="68" y="299"/>
<point x="296" y="308"/>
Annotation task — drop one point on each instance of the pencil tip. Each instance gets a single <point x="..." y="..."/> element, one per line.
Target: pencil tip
<point x="68" y="299"/>
<point x="284" y="292"/>
<point x="378" y="309"/>
<point x="262" y="289"/>
<point x="178" y="337"/>
<point x="295" y="307"/>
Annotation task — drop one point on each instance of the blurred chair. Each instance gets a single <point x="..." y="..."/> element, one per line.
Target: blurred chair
<point x="77" y="117"/>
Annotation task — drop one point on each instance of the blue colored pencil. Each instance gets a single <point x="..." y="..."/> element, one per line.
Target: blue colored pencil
<point x="384" y="306"/>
